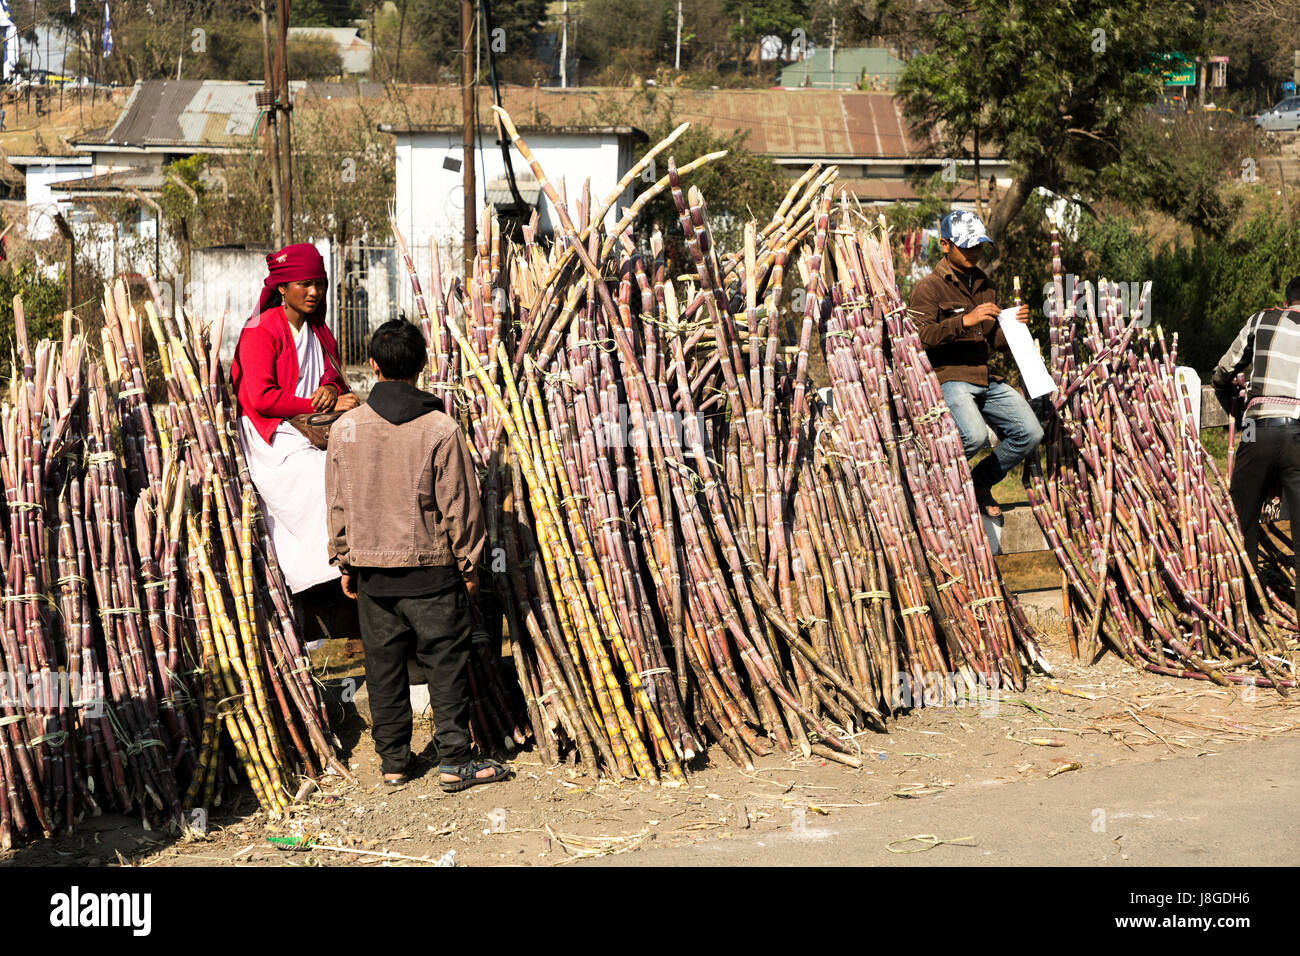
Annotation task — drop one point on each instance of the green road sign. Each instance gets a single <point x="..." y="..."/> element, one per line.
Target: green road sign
<point x="1178" y="70"/>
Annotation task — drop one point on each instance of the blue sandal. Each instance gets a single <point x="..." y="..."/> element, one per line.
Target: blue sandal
<point x="469" y="774"/>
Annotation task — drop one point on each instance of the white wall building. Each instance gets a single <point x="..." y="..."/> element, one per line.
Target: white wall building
<point x="39" y="174"/>
<point x="430" y="192"/>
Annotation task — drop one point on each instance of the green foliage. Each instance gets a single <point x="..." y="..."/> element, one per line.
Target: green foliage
<point x="324" y="13"/>
<point x="234" y="52"/>
<point x="1050" y="84"/>
<point x="343" y="182"/>
<point x="755" y="19"/>
<point x="434" y="27"/>
<point x="1207" y="290"/>
<point x="1115" y="247"/>
<point x="1181" y="167"/>
<point x="176" y="201"/>
<point x="740" y="186"/>
<point x="1259" y="40"/>
<point x="626" y="37"/>
<point x="233" y="199"/>
<point x="1215" y="441"/>
<point x="43" y="301"/>
<point x="1202" y="288"/>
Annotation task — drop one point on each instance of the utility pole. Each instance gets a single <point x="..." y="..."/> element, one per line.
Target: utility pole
<point x="266" y="101"/>
<point x="564" y="47"/>
<point x="469" y="91"/>
<point x="833" y="84"/>
<point x="677" y="52"/>
<point x="284" y="105"/>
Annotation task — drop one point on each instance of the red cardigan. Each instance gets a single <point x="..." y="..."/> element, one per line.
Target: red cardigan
<point x="265" y="370"/>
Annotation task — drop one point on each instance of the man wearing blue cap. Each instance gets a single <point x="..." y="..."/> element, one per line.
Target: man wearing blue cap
<point x="955" y="312"/>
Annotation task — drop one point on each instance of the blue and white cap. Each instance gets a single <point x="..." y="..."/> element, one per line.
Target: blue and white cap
<point x="963" y="229"/>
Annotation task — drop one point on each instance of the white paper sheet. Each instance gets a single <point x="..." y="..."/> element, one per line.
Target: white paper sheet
<point x="1033" y="373"/>
<point x="1190" y="382"/>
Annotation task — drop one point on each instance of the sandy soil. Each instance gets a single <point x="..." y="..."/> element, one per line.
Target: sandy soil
<point x="548" y="816"/>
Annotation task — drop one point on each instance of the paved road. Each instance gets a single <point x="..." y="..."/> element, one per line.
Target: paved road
<point x="1235" y="808"/>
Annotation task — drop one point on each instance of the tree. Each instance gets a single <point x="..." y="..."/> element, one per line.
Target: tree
<point x="344" y="174"/>
<point x="1049" y="86"/>
<point x="234" y="52"/>
<point x="343" y="182"/>
<point x="1183" y="166"/>
<point x="755" y="19"/>
<point x="152" y="39"/>
<point x="1258" y="37"/>
<point x="740" y="186"/>
<point x="42" y="303"/>
<point x="324" y="13"/>
<point x="758" y="18"/>
<point x="626" y="37"/>
<point x="434" y="26"/>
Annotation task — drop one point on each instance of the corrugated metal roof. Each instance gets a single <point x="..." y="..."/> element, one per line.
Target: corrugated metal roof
<point x="142" y="179"/>
<point x="893" y="190"/>
<point x="817" y="124"/>
<point x="184" y="113"/>
<point x="498" y="191"/>
<point x="822" y="123"/>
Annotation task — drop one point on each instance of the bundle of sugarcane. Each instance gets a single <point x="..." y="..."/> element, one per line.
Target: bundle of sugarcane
<point x="679" y="558"/>
<point x="177" y="642"/>
<point x="893" y="441"/>
<point x="1137" y="512"/>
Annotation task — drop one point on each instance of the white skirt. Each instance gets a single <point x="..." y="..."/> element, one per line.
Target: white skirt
<point x="289" y="474"/>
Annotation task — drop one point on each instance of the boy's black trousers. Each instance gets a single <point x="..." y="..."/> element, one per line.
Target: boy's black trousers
<point x="438" y="626"/>
<point x="1273" y="454"/>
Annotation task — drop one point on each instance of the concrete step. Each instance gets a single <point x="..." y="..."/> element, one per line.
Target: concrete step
<point x="1015" y="532"/>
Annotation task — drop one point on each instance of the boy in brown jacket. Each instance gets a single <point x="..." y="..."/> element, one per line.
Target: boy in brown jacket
<point x="955" y="312"/>
<point x="406" y="531"/>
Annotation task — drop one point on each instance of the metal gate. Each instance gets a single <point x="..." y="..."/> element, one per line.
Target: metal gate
<point x="367" y="295"/>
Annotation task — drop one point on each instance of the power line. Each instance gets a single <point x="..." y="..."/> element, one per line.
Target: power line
<point x="496" y="98"/>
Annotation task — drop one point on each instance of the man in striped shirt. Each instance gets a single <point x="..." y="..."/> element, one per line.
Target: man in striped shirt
<point x="1268" y="350"/>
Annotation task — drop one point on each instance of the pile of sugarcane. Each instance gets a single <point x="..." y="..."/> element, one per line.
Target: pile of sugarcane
<point x="1136" y="510"/>
<point x="690" y="545"/>
<point x="148" y="648"/>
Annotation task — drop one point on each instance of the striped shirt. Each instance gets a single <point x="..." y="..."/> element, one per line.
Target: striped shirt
<point x="1268" y="349"/>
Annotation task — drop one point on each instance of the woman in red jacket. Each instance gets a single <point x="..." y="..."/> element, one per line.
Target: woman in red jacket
<point x="287" y="364"/>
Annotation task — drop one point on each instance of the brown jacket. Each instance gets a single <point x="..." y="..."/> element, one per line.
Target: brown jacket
<point x="401" y="496"/>
<point x="957" y="353"/>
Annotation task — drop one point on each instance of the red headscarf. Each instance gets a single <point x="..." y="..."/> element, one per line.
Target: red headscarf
<point x="299" y="262"/>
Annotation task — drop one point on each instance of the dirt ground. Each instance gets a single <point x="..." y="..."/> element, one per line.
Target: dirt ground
<point x="552" y="816"/>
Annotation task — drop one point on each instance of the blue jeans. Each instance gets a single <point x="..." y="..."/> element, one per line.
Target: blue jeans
<point x="1011" y="417"/>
